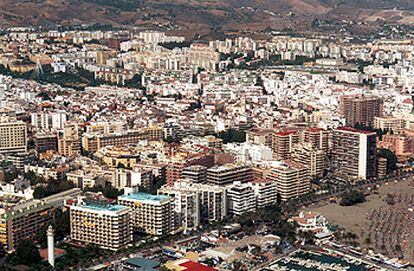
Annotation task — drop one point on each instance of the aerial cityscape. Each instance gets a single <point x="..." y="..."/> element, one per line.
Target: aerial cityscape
<point x="173" y="135"/>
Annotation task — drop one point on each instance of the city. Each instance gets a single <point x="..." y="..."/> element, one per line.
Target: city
<point x="143" y="149"/>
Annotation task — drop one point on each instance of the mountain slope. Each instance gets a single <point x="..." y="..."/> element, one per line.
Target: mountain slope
<point x="192" y="14"/>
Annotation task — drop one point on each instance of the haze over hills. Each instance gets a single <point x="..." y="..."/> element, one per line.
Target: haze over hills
<point x="195" y="14"/>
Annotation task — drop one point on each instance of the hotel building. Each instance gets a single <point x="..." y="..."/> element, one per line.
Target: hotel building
<point x="150" y="213"/>
<point x="102" y="224"/>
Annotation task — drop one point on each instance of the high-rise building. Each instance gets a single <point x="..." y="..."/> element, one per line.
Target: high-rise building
<point x="315" y="159"/>
<point x="48" y="121"/>
<point x="292" y="179"/>
<point x="13" y="135"/>
<point x="94" y="141"/>
<point x="240" y="199"/>
<point x="69" y="141"/>
<point x="196" y="173"/>
<point x="317" y="138"/>
<point x="150" y="213"/>
<point x="260" y="136"/>
<point x="401" y="144"/>
<point x="186" y="206"/>
<point x="209" y="201"/>
<point x="229" y="173"/>
<point x="102" y="224"/>
<point x="282" y="144"/>
<point x="46" y="142"/>
<point x="354" y="153"/>
<point x="360" y="109"/>
<point x="23" y="221"/>
<point x="265" y="192"/>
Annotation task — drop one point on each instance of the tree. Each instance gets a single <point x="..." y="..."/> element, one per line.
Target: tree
<point x="391" y="158"/>
<point x="27" y="253"/>
<point x="233" y="135"/>
<point x="352" y="197"/>
<point x="40" y="192"/>
<point x="309" y="237"/>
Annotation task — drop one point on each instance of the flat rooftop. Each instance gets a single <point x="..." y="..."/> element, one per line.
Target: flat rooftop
<point x="140" y="196"/>
<point x="102" y="206"/>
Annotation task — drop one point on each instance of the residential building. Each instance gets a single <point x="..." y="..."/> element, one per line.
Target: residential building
<point x="107" y="226"/>
<point x="354" y="153"/>
<point x="315" y="159"/>
<point x="292" y="179"/>
<point x="46" y="142"/>
<point x="229" y="173"/>
<point x="23" y="220"/>
<point x="401" y="144"/>
<point x="186" y="206"/>
<point x="360" y="109"/>
<point x="210" y="201"/>
<point x="240" y="199"/>
<point x="317" y="138"/>
<point x="390" y="124"/>
<point x="265" y="192"/>
<point x="282" y="144"/>
<point x="13" y="135"/>
<point x="196" y="173"/>
<point x="151" y="214"/>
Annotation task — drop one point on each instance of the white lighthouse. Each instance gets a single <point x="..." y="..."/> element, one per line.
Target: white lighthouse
<point x="51" y="246"/>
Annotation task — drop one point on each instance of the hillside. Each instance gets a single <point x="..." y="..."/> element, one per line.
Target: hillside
<point x="198" y="15"/>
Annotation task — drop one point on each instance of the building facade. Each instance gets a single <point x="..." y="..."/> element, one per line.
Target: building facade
<point x="107" y="226"/>
<point x="354" y="153"/>
<point x="150" y="213"/>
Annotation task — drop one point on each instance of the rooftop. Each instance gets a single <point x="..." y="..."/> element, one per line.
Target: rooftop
<point x="353" y="130"/>
<point x="103" y="206"/>
<point x="143" y="196"/>
<point x="143" y="264"/>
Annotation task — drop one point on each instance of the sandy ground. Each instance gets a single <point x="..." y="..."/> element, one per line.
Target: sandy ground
<point x="355" y="218"/>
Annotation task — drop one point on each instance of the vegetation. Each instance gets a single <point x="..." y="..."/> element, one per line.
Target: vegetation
<point x="50" y="188"/>
<point x="107" y="190"/>
<point x="352" y="197"/>
<point x="172" y="45"/>
<point x="391" y="159"/>
<point x="33" y="178"/>
<point x="78" y="78"/>
<point x="233" y="135"/>
<point x="26" y="253"/>
<point x="61" y="225"/>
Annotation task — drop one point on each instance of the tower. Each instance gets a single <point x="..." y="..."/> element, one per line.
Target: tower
<point x="51" y="246"/>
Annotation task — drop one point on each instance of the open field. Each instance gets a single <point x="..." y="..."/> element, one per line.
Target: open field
<point x="386" y="228"/>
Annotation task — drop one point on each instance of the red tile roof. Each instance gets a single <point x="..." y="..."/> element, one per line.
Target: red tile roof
<point x="194" y="266"/>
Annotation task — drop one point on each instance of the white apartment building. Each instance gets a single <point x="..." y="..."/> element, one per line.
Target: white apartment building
<point x="152" y="214"/>
<point x="292" y="179"/>
<point x="206" y="203"/>
<point x="240" y="199"/>
<point x="265" y="192"/>
<point x="102" y="224"/>
<point x="48" y="120"/>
